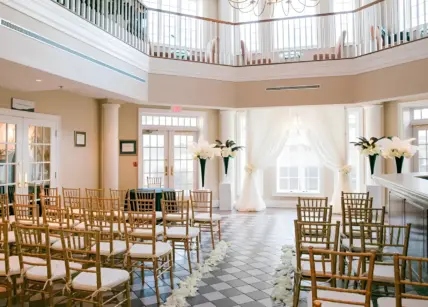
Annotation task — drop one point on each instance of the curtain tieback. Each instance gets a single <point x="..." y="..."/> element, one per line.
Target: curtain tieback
<point x="345" y="170"/>
<point x="249" y="168"/>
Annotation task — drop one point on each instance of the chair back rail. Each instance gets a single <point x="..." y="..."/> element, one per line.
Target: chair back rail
<point x="46" y="200"/>
<point x="94" y="193"/>
<point x="202" y="202"/>
<point x="359" y="216"/>
<point x="355" y="203"/>
<point x="138" y="222"/>
<point x="154" y="182"/>
<point x="314" y="214"/>
<point x="70" y="192"/>
<point x="143" y="201"/>
<point x="327" y="269"/>
<point x="312" y="201"/>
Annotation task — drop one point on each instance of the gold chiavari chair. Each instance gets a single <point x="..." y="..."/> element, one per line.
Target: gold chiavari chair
<point x="70" y="192"/>
<point x="24" y="199"/>
<point x="175" y="200"/>
<point x="318" y="235"/>
<point x="312" y="201"/>
<point x="111" y="248"/>
<point x="314" y="214"/>
<point x="413" y="277"/>
<point x="150" y="254"/>
<point x="386" y="241"/>
<point x="78" y="206"/>
<point x="53" y="201"/>
<point x="177" y="229"/>
<point x="92" y="281"/>
<point x="58" y="218"/>
<point x="351" y="195"/>
<point x="42" y="276"/>
<point x="154" y="182"/>
<point x="94" y="193"/>
<point x="202" y="214"/>
<point x="323" y="266"/>
<point x="112" y="205"/>
<point x="5" y="218"/>
<point x="49" y="191"/>
<point x="353" y="203"/>
<point x="144" y="200"/>
<point x="27" y="214"/>
<point x="122" y="196"/>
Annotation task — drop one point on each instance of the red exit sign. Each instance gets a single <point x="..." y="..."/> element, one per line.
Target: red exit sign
<point x="176" y="109"/>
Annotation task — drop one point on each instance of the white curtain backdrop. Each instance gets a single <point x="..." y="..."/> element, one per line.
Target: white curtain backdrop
<point x="266" y="138"/>
<point x="326" y="128"/>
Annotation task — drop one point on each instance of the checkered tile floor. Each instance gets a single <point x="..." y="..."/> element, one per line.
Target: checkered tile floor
<point x="245" y="277"/>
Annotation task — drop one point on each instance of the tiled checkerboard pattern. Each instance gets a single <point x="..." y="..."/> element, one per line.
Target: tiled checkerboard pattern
<point x="245" y="277"/>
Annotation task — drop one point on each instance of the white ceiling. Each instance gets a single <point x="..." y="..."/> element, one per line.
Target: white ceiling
<point x="18" y="77"/>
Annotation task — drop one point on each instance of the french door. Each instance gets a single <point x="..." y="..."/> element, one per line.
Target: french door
<point x="165" y="155"/>
<point x="421" y="157"/>
<point x="27" y="154"/>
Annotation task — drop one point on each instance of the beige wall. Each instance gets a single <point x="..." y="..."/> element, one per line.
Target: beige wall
<point x="384" y="84"/>
<point x="128" y="129"/>
<point x="79" y="166"/>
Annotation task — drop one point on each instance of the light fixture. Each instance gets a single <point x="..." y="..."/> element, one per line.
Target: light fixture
<point x="259" y="6"/>
<point x="38" y="80"/>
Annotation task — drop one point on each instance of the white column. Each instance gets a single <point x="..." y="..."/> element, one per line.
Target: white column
<point x="110" y="147"/>
<point x="227" y="132"/>
<point x="373" y="127"/>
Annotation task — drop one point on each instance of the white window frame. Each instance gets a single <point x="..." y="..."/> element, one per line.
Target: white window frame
<point x="299" y="193"/>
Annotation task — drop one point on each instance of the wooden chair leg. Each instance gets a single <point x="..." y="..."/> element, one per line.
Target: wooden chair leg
<point x="296" y="290"/>
<point x="155" y="275"/>
<point x="22" y="294"/>
<point x="173" y="252"/>
<point x="51" y="296"/>
<point x="219" y="230"/>
<point x="212" y="235"/>
<point x="189" y="261"/>
<point x="128" y="294"/>
<point x="197" y="249"/>
<point x="171" y="274"/>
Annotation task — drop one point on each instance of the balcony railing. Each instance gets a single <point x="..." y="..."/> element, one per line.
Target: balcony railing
<point x="379" y="25"/>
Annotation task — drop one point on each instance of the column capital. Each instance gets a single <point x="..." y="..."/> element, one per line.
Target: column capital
<point x="111" y="105"/>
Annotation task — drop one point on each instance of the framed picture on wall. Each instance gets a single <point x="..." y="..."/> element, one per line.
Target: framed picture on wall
<point x="79" y="139"/>
<point x="128" y="147"/>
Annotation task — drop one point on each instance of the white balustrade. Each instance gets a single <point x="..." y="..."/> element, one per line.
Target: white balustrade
<point x="379" y="25"/>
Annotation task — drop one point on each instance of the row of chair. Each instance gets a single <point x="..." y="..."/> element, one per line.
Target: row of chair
<point x="129" y="230"/>
<point x="362" y="232"/>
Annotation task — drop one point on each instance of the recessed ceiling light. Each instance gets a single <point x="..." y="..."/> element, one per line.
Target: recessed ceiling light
<point x="38" y="80"/>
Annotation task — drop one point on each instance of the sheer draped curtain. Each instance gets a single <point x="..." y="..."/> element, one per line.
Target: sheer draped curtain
<point x="266" y="138"/>
<point x="326" y="128"/>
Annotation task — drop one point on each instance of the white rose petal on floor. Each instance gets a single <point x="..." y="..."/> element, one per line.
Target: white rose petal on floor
<point x="283" y="282"/>
<point x="189" y="286"/>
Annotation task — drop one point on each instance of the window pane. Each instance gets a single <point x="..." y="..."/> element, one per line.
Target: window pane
<point x="417" y="114"/>
<point x="425" y="113"/>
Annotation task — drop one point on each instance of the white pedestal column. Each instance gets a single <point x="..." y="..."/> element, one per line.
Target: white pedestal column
<point x="373" y="127"/>
<point x="110" y="146"/>
<point x="227" y="132"/>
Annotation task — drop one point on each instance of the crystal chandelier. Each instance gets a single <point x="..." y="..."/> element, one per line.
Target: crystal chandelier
<point x="259" y="6"/>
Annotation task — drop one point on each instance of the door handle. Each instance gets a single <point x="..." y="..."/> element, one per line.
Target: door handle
<point x="172" y="170"/>
<point x="166" y="170"/>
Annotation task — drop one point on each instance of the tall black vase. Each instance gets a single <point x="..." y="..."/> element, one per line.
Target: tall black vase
<point x="399" y="164"/>
<point x="226" y="164"/>
<point x="203" y="163"/>
<point x="372" y="160"/>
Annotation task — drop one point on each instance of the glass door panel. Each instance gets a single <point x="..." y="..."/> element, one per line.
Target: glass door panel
<point x="183" y="172"/>
<point x="38" y="165"/>
<point x="421" y="157"/>
<point x="154" y="156"/>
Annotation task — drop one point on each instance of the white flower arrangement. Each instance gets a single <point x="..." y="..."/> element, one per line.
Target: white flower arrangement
<point x="189" y="286"/>
<point x="203" y="150"/>
<point x="283" y="284"/>
<point x="346" y="170"/>
<point x="396" y="148"/>
<point x="368" y="147"/>
<point x="228" y="149"/>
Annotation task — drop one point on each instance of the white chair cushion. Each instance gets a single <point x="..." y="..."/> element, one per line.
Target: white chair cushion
<point x="110" y="278"/>
<point x="306" y="268"/>
<point x="116" y="214"/>
<point x="205" y="217"/>
<point x="147" y="232"/>
<point x="119" y="247"/>
<point x="383" y="273"/>
<point x="30" y="222"/>
<point x="80" y="226"/>
<point x="175" y="217"/>
<point x="52" y="239"/>
<point x="320" y="245"/>
<point x="180" y="232"/>
<point x="356" y="245"/>
<point x="11" y="237"/>
<point x="145" y="250"/>
<point x="76" y="242"/>
<point x="406" y="302"/>
<point x="11" y="219"/>
<point x="14" y="267"/>
<point x="40" y="273"/>
<point x="352" y="297"/>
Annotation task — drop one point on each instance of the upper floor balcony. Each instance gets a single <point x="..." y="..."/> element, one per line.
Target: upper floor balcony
<point x="379" y="25"/>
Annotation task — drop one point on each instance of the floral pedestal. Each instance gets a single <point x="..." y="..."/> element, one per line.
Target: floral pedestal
<point x="399" y="164"/>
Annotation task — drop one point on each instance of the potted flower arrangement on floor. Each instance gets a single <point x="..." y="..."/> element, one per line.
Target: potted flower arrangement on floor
<point x="394" y="148"/>
<point x="369" y="148"/>
<point x="228" y="150"/>
<point x="203" y="151"/>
